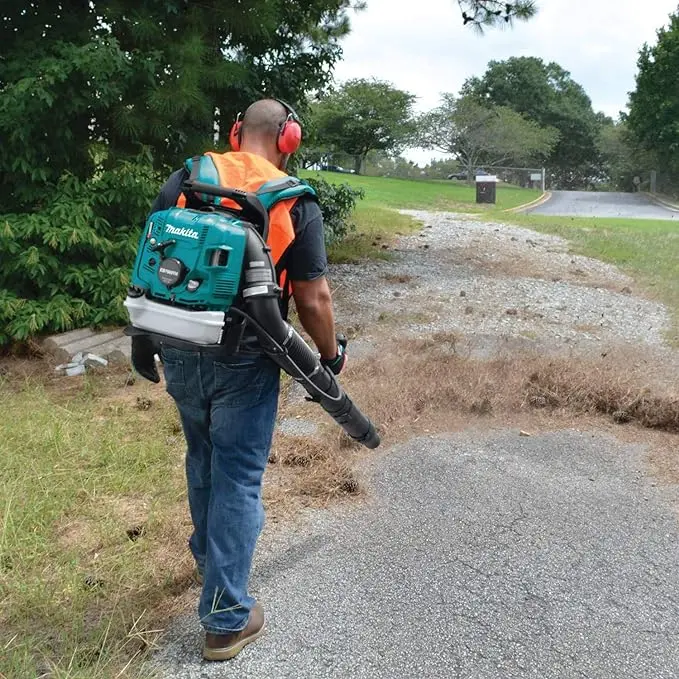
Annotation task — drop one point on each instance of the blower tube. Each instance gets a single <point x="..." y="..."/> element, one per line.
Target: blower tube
<point x="285" y="346"/>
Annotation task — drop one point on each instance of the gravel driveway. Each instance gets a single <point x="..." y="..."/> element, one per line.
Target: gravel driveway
<point x="482" y="554"/>
<point x="603" y="204"/>
<point x="498" y="286"/>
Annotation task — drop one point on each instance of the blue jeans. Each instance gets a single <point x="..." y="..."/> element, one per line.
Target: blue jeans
<point x="228" y="411"/>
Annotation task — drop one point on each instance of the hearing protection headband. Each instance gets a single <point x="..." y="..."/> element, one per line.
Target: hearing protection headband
<point x="289" y="132"/>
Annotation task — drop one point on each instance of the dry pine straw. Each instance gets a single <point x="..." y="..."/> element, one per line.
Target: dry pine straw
<point x="425" y="386"/>
<point x="427" y="381"/>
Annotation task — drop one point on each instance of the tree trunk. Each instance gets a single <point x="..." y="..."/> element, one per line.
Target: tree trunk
<point x="470" y="172"/>
<point x="358" y="162"/>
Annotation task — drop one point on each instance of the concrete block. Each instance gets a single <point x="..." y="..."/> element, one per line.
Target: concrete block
<point x="92" y="343"/>
<point x="55" y="342"/>
<point x="75" y="370"/>
<point x="111" y="347"/>
<point x="116" y="351"/>
<point x="94" y="361"/>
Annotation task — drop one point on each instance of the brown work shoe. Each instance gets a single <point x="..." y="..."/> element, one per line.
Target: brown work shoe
<point x="227" y="646"/>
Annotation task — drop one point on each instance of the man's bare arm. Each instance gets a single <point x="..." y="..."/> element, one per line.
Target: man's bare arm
<point x="314" y="308"/>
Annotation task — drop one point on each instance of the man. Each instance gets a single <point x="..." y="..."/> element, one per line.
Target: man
<point x="228" y="403"/>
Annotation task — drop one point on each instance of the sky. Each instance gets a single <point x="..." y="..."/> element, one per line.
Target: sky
<point x="422" y="46"/>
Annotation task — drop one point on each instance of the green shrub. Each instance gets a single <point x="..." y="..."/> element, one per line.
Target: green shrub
<point x="337" y="202"/>
<point x="66" y="264"/>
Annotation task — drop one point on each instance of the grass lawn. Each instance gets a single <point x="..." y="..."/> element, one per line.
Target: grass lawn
<point x="648" y="250"/>
<point x="92" y="500"/>
<point x="377" y="219"/>
<point x="426" y="194"/>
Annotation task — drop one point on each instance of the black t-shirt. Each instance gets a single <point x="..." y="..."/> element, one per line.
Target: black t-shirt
<point x="306" y="258"/>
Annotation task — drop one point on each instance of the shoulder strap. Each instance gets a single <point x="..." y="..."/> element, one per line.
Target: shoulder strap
<point x="202" y="169"/>
<point x="274" y="191"/>
<point x="193" y="166"/>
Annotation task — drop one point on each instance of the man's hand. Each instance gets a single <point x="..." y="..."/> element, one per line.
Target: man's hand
<point x="143" y="357"/>
<point x="337" y="364"/>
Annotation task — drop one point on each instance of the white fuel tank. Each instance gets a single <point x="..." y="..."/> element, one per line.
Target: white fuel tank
<point x="200" y="327"/>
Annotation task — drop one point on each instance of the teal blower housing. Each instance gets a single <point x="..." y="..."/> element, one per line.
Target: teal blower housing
<point x="191" y="259"/>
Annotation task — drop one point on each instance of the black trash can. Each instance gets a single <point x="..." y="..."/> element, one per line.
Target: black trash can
<point x="486" y="188"/>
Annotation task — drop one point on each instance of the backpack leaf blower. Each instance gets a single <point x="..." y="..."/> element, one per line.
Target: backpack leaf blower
<point x="201" y="275"/>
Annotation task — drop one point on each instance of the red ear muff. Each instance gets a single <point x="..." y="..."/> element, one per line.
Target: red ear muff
<point x="234" y="135"/>
<point x="290" y="136"/>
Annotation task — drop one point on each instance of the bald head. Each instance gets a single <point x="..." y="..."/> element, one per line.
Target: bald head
<point x="262" y="120"/>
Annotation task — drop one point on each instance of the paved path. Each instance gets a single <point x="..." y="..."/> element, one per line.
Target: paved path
<point x="603" y="204"/>
<point x="478" y="556"/>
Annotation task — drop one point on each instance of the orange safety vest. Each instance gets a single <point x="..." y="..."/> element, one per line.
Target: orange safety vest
<point x="248" y="171"/>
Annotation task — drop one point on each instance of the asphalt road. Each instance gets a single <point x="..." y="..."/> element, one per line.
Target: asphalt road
<point x="484" y="556"/>
<point x="603" y="204"/>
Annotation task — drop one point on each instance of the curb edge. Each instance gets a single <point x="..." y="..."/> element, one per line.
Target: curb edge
<point x="660" y="201"/>
<point x="533" y="203"/>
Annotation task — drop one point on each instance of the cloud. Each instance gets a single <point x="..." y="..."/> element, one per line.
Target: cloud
<point x="423" y="47"/>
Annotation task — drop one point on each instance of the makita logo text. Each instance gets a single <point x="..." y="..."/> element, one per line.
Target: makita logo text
<point x="189" y="233"/>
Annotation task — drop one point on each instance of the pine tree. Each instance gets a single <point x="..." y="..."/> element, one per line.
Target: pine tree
<point x="493" y="13"/>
